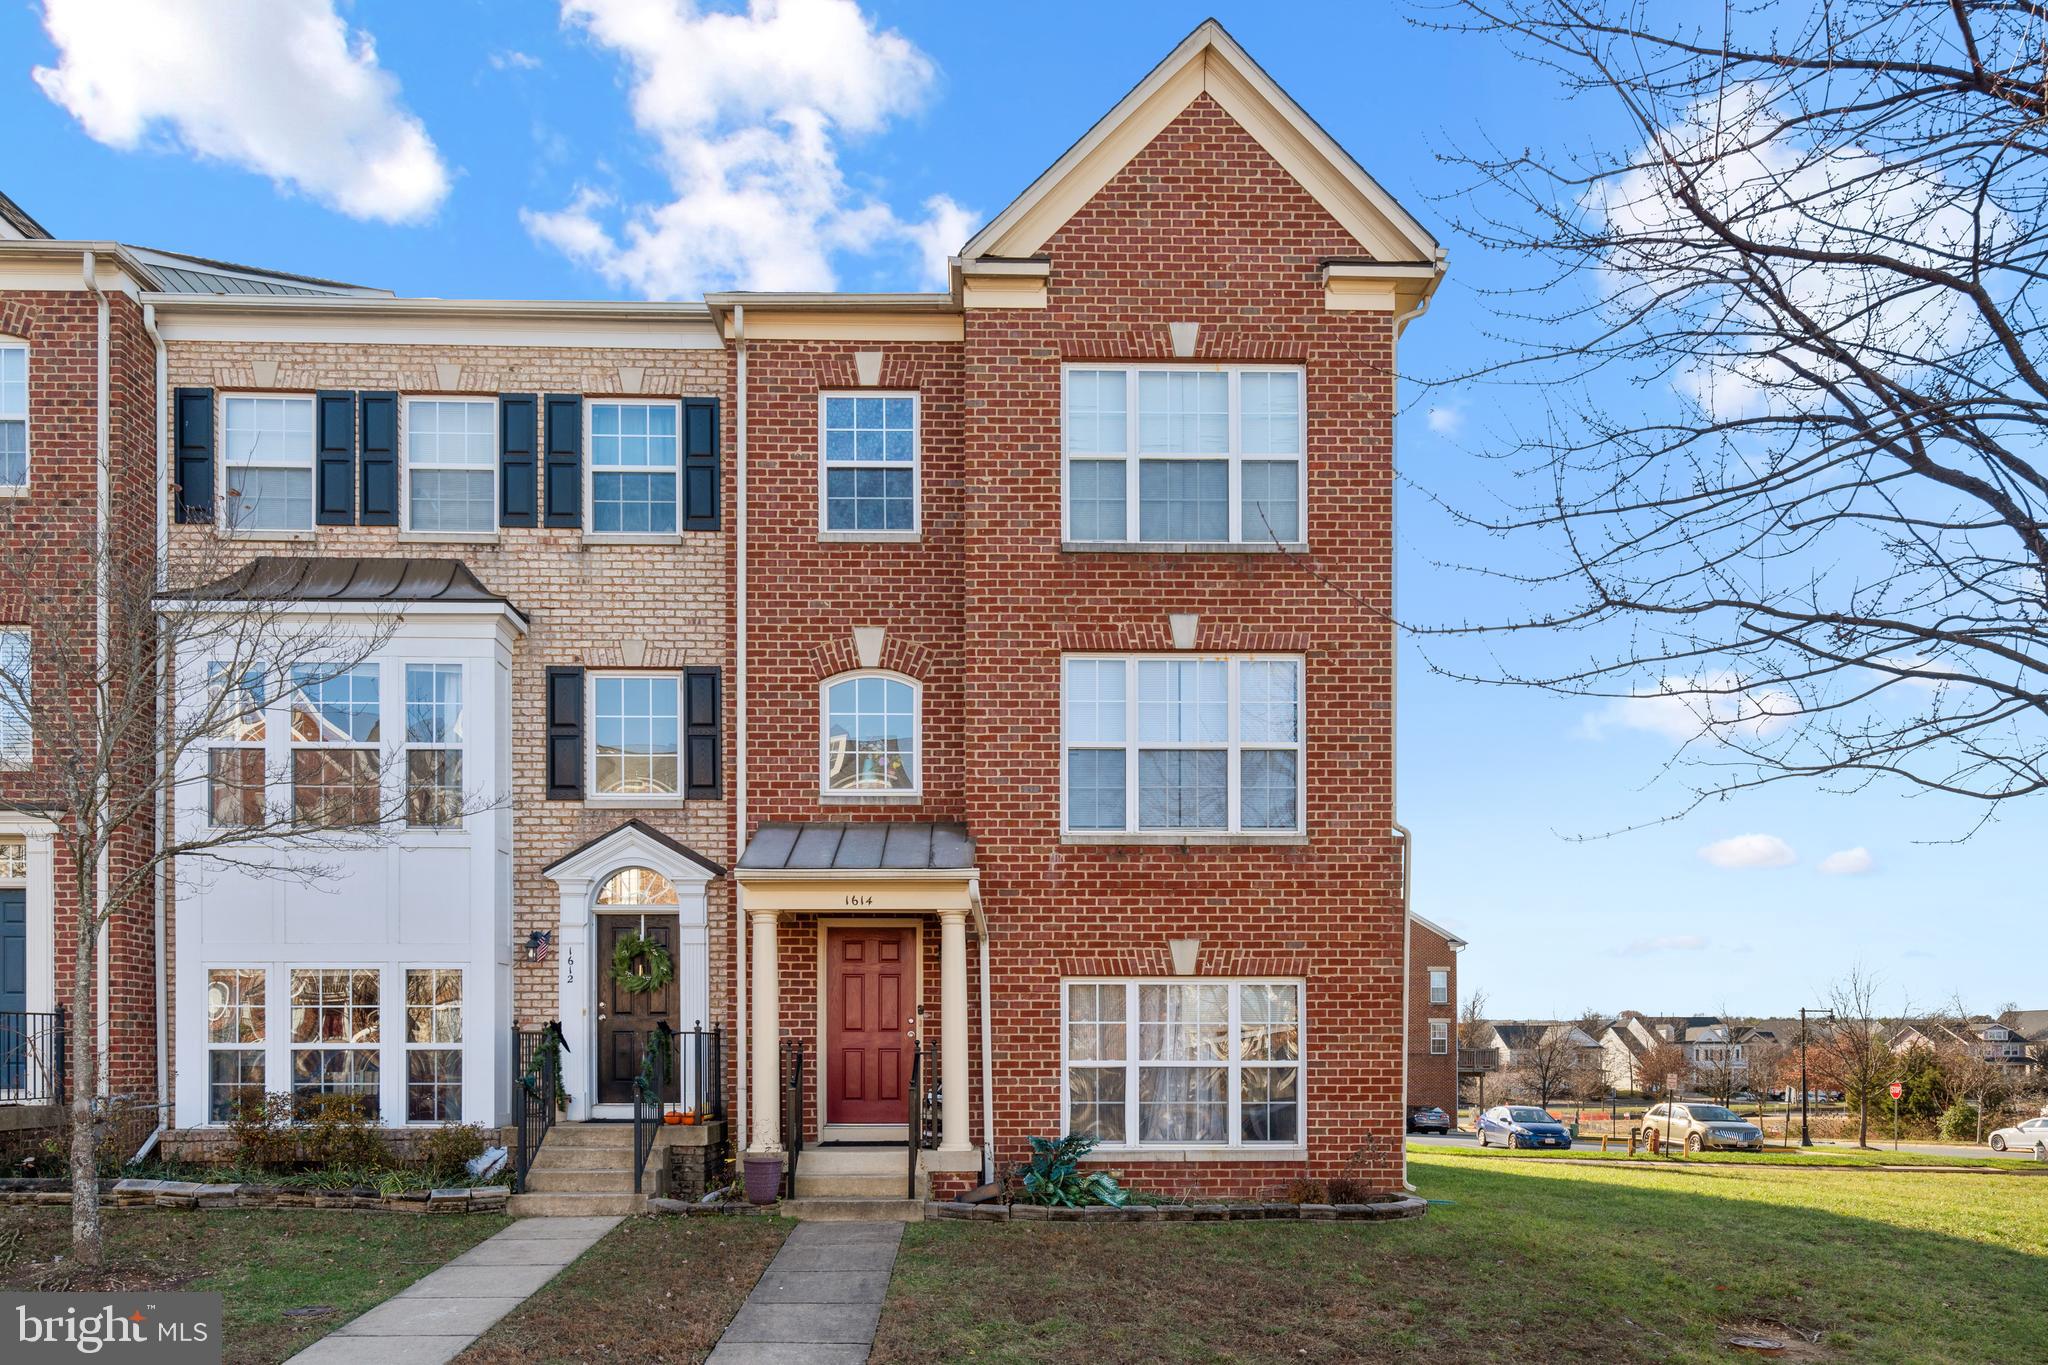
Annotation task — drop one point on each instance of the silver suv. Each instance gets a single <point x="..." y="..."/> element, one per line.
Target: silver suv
<point x="1701" y="1126"/>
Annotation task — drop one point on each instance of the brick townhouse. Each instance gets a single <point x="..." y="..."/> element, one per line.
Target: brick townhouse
<point x="1432" y="1016"/>
<point x="996" y="682"/>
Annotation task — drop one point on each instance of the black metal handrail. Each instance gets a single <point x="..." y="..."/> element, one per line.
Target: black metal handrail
<point x="792" y="1111"/>
<point x="923" y="1108"/>
<point x="32" y="1057"/>
<point x="650" y="1094"/>
<point x="536" y="1079"/>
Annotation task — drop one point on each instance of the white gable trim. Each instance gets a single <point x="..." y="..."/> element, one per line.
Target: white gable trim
<point x="1208" y="60"/>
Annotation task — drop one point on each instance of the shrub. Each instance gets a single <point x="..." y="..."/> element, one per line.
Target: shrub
<point x="1053" y="1175"/>
<point x="1305" y="1191"/>
<point x="448" y="1151"/>
<point x="1959" y="1122"/>
<point x="1345" y="1190"/>
<point x="337" y="1133"/>
<point x="265" y="1138"/>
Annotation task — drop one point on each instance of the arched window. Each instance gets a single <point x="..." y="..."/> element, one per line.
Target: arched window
<point x="636" y="886"/>
<point x="871" y="723"/>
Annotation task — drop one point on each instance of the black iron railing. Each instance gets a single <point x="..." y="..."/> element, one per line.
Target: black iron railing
<point x="686" y="1070"/>
<point x="792" y="1085"/>
<point x="536" y="1085"/>
<point x="924" y="1109"/>
<point x="651" y="1094"/>
<point x="32" y="1057"/>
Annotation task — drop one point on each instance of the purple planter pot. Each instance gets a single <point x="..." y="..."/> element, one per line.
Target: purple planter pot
<point x="763" y="1173"/>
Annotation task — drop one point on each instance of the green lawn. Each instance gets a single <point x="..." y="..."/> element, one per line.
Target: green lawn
<point x="263" y="1261"/>
<point x="1814" y="1157"/>
<point x="654" y="1290"/>
<point x="1530" y="1259"/>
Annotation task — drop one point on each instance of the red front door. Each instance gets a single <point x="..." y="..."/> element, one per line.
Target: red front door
<point x="870" y="1014"/>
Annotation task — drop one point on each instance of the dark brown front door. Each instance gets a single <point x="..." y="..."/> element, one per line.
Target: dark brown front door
<point x="870" y="1011"/>
<point x="623" y="1019"/>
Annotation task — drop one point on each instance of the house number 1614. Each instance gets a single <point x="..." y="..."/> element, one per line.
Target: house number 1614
<point x="860" y="900"/>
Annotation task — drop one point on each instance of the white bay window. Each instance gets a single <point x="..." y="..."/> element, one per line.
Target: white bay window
<point x="1184" y="1062"/>
<point x="1200" y="745"/>
<point x="1185" y="454"/>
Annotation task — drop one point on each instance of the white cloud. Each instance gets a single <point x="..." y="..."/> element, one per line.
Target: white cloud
<point x="1446" y="420"/>
<point x="1848" y="862"/>
<point x="1750" y="850"/>
<point x="512" y="59"/>
<point x="1665" y="943"/>
<point x="280" y="87"/>
<point x="1720" y="705"/>
<point x="748" y="111"/>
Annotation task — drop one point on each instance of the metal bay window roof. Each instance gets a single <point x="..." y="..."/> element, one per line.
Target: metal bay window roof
<point x="869" y="846"/>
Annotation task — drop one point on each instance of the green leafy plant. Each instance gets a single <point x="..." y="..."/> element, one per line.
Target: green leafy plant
<point x="1053" y="1175"/>
<point x="1959" y="1122"/>
<point x="655" y="1064"/>
<point x="447" y="1152"/>
<point x="547" y="1057"/>
<point x="336" y="1132"/>
<point x="265" y="1132"/>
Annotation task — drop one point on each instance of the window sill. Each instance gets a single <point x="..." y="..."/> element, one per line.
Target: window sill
<point x="1157" y="838"/>
<point x="615" y="802"/>
<point x="620" y="538"/>
<point x="448" y="537"/>
<point x="870" y="798"/>
<point x="1181" y="547"/>
<point x="228" y="533"/>
<point x="1112" y="1155"/>
<point x="14" y="490"/>
<point x="870" y="537"/>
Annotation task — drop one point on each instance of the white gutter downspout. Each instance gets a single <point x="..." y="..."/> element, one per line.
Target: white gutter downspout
<point x="163" y="563"/>
<point x="102" y="553"/>
<point x="743" y="1102"/>
<point x="1401" y="831"/>
<point x="988" y="1066"/>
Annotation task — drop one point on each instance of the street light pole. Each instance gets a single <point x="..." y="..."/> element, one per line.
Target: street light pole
<point x="1806" y="1138"/>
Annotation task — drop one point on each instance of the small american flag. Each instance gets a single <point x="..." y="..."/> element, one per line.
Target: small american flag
<point x="539" y="944"/>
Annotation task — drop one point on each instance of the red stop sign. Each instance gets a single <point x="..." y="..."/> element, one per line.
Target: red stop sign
<point x="1897" y="1090"/>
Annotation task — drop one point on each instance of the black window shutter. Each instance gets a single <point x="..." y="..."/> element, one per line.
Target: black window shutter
<point x="516" y="451"/>
<point x="562" y="475"/>
<point x="701" y="714"/>
<point x="192" y="416"/>
<point x="334" y="456"/>
<point x="379" y="459"/>
<point x="565" y="734"/>
<point x="700" y="464"/>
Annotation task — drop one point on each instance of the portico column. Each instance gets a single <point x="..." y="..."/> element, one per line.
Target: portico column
<point x="953" y="1028"/>
<point x="767" y="1023"/>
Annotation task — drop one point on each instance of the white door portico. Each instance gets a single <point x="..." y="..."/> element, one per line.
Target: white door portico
<point x="579" y="877"/>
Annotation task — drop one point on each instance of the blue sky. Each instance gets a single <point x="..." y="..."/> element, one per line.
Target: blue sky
<point x="465" y="148"/>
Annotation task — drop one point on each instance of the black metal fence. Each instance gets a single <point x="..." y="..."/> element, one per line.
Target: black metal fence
<point x="924" y="1111"/>
<point x="32" y="1057"/>
<point x="686" y="1070"/>
<point x="792" y="1087"/>
<point x="536" y="1084"/>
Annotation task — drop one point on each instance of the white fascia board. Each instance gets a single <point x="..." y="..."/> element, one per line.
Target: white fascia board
<point x="492" y="322"/>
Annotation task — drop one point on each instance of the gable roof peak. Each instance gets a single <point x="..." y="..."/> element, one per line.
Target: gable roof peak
<point x="1209" y="61"/>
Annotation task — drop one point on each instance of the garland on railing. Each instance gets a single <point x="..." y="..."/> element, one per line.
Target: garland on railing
<point x="550" y="1048"/>
<point x="636" y="948"/>
<point x="655" y="1063"/>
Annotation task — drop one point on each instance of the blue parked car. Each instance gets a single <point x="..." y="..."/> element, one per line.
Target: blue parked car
<point x="1522" y="1125"/>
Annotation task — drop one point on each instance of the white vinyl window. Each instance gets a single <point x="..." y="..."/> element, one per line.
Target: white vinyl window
<point x="433" y="745"/>
<point x="1439" y="1037"/>
<point x="1185" y="454"/>
<point x="336" y="1037"/>
<point x="236" y="1032"/>
<point x="1439" y="986"/>
<point x="267" y="450"/>
<point x="336" y="724"/>
<point x="868" y="452"/>
<point x="451" y="464"/>
<point x="13" y="415"/>
<point x="1169" y="743"/>
<point x="1184" y="1062"/>
<point x="235" y="757"/>
<point x="17" y="731"/>
<point x="633" y="464"/>
<point x="871" y="728"/>
<point x="433" y="1045"/>
<point x="634" y="727"/>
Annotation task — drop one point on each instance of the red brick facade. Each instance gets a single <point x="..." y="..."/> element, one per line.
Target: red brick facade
<point x="1432" y="1076"/>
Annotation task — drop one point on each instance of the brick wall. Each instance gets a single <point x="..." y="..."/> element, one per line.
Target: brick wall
<point x="1432" y="1078"/>
<point x="1203" y="226"/>
<point x="583" y="601"/>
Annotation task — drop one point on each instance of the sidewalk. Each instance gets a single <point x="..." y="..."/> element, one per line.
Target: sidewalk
<point x="819" y="1301"/>
<point x="441" y="1314"/>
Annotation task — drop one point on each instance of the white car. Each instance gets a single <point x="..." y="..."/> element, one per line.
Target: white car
<point x="2029" y="1135"/>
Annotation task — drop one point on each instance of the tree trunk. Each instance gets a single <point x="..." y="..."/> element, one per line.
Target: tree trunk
<point x="84" y="1072"/>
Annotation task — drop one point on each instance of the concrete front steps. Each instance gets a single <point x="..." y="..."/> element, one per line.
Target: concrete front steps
<point x="582" y="1170"/>
<point x="836" y="1172"/>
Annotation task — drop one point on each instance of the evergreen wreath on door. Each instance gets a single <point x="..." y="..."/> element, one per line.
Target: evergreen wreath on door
<point x="640" y="965"/>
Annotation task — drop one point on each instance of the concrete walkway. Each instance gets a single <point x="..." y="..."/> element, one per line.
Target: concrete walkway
<point x="819" y="1300"/>
<point x="440" y="1314"/>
